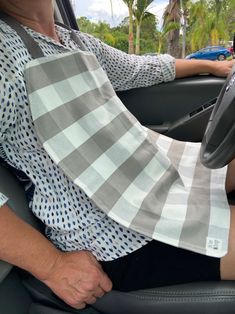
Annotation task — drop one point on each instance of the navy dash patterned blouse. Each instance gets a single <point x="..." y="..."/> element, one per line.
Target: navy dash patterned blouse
<point x="72" y="221"/>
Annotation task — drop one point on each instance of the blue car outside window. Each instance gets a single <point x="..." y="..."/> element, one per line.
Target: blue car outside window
<point x="211" y="53"/>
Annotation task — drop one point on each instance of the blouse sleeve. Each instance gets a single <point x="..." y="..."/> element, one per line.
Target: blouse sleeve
<point x="3" y="199"/>
<point x="127" y="71"/>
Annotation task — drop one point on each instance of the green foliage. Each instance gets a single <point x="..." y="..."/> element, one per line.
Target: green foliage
<point x="121" y="41"/>
<point x="86" y="25"/>
<point x="116" y="37"/>
<point x="149" y="35"/>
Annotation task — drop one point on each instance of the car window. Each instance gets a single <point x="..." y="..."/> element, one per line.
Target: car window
<point x="205" y="50"/>
<point x="215" y="48"/>
<point x="109" y="20"/>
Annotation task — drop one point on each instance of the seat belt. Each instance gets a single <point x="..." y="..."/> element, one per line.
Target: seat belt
<point x="33" y="48"/>
<point x="73" y="36"/>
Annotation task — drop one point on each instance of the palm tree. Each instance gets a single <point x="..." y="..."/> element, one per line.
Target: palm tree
<point x="200" y="25"/>
<point x="230" y="17"/>
<point x="163" y="34"/>
<point x="185" y="9"/>
<point x="140" y="12"/>
<point x="130" y="4"/>
<point x="217" y="25"/>
<point x="111" y="5"/>
<point x="208" y="23"/>
<point x="172" y="14"/>
<point x="220" y="21"/>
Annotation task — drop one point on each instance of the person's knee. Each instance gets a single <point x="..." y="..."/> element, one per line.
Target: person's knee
<point x="227" y="263"/>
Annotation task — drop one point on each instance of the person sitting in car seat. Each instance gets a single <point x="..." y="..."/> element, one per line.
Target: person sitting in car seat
<point x="86" y="253"/>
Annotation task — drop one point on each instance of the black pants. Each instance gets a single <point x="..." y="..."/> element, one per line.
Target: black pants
<point x="157" y="264"/>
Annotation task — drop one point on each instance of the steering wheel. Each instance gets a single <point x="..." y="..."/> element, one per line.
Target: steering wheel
<point x="218" y="144"/>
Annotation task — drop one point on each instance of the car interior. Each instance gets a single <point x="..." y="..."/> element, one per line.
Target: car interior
<point x="180" y="109"/>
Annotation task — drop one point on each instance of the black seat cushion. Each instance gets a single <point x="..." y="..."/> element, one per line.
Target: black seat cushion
<point x="191" y="298"/>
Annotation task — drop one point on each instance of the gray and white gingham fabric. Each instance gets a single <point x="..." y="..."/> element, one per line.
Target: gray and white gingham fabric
<point x="141" y="179"/>
<point x="3" y="199"/>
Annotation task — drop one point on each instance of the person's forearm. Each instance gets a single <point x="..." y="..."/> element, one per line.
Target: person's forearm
<point x="184" y="68"/>
<point x="24" y="246"/>
<point x="76" y="277"/>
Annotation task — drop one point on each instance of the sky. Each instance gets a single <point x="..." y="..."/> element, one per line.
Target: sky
<point x="100" y="10"/>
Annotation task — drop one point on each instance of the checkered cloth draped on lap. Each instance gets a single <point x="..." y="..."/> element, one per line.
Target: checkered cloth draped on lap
<point x="141" y="179"/>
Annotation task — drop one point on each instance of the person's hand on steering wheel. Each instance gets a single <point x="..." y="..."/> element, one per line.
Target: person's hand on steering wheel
<point x="221" y="68"/>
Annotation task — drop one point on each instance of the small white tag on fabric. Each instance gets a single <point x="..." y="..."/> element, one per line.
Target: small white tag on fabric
<point x="213" y="244"/>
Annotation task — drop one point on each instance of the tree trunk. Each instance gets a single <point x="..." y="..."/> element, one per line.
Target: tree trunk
<point x="131" y="34"/>
<point x="137" y="46"/>
<point x="174" y="35"/>
<point x="184" y="36"/>
<point x="173" y="43"/>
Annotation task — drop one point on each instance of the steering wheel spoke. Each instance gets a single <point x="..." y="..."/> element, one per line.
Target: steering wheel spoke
<point x="218" y="145"/>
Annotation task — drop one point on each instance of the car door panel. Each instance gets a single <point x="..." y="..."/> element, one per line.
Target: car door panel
<point x="171" y="106"/>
